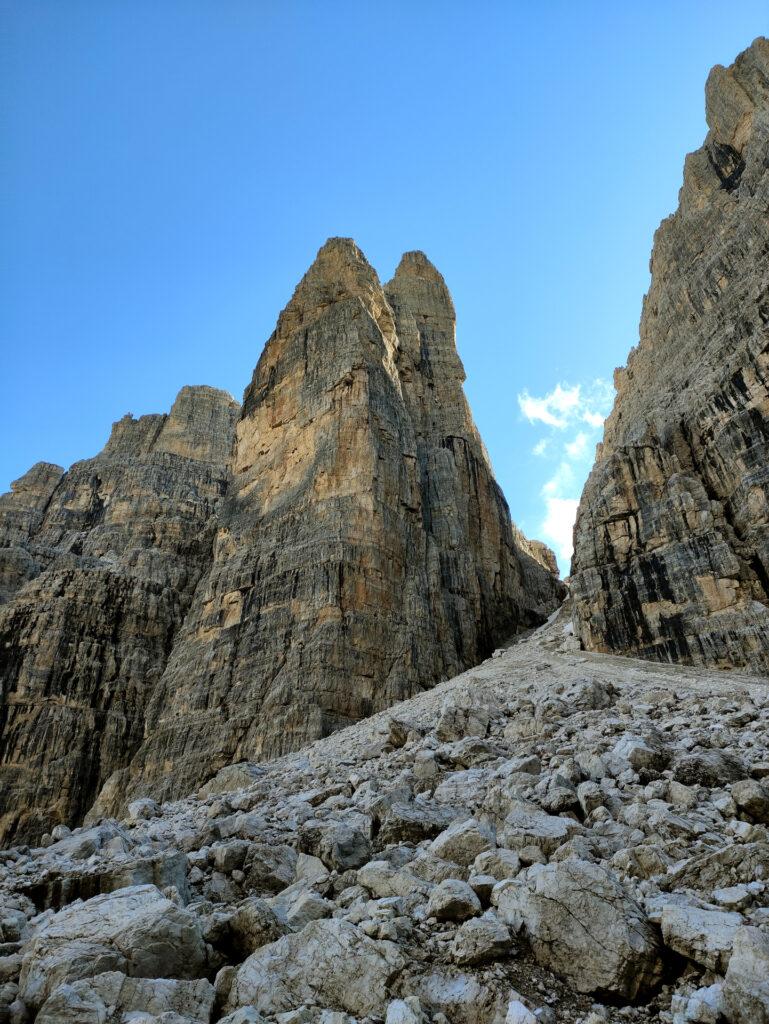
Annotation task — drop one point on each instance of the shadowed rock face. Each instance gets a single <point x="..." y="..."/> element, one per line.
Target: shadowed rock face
<point x="99" y="567"/>
<point x="213" y="588"/>
<point x="672" y="538"/>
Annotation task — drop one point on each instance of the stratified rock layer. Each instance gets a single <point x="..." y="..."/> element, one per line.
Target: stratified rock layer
<point x="671" y="554"/>
<point x="213" y="588"/>
<point x="99" y="568"/>
<point x="365" y="551"/>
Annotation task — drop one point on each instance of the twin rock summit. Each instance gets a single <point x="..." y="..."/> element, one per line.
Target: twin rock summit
<point x="224" y="585"/>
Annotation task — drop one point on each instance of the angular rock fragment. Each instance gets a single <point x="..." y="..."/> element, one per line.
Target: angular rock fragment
<point x="481" y="939"/>
<point x="746" y="986"/>
<point x="328" y="960"/>
<point x="463" y="841"/>
<point x="526" y="825"/>
<point x="582" y="924"/>
<point x="453" y="900"/>
<point x="705" y="936"/>
<point x="752" y="797"/>
<point x="136" y="931"/>
<point x="114" y="997"/>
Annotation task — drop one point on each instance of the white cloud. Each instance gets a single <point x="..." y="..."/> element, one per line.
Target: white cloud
<point x="562" y="480"/>
<point x="583" y="407"/>
<point x="555" y="409"/>
<point x="595" y="419"/>
<point x="558" y="525"/>
<point x="578" y="447"/>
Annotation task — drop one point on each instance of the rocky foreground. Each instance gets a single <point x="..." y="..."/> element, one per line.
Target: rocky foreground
<point x="552" y="836"/>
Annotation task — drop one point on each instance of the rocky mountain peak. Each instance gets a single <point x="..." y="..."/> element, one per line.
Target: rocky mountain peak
<point x="229" y="583"/>
<point x="419" y="287"/>
<point x="737" y="95"/>
<point x="339" y="271"/>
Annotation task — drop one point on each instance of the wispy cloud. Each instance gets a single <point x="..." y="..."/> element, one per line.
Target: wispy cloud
<point x="567" y="405"/>
<point x="576" y="449"/>
<point x="558" y="525"/>
<point x="578" y="410"/>
<point x="555" y="409"/>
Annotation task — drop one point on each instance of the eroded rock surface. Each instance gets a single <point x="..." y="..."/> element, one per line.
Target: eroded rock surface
<point x="99" y="566"/>
<point x="671" y="557"/>
<point x="222" y="584"/>
<point x="365" y="551"/>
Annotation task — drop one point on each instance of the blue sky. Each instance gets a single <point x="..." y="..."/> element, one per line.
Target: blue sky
<point x="170" y="169"/>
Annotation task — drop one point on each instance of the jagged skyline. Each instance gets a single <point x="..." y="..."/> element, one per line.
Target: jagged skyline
<point x="168" y="173"/>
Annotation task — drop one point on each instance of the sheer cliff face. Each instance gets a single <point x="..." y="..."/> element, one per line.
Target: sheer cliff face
<point x="672" y="537"/>
<point x="99" y="566"/>
<point x="214" y="587"/>
<point x="365" y="551"/>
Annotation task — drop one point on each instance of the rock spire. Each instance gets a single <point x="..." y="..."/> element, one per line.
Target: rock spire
<point x="224" y="583"/>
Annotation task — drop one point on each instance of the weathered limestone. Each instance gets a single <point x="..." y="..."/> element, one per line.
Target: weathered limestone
<point x="330" y="961"/>
<point x="652" y="898"/>
<point x="746" y="987"/>
<point x="583" y="924"/>
<point x="111" y="552"/>
<point x="365" y="550"/>
<point x="207" y="591"/>
<point x="671" y="558"/>
<point x="135" y="930"/>
<point x="114" y="997"/>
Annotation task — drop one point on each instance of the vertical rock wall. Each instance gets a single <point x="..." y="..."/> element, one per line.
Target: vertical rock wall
<point x="671" y="554"/>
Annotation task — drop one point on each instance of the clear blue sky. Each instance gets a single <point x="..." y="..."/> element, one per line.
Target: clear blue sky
<point x="169" y="169"/>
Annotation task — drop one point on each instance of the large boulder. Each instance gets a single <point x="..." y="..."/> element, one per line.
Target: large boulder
<point x="481" y="939"/>
<point x="710" y="768"/>
<point x="113" y="996"/>
<point x="704" y="936"/>
<point x="583" y="924"/>
<point x="463" y="841"/>
<point x="269" y="867"/>
<point x="746" y="987"/>
<point x="331" y="962"/>
<point x="411" y="822"/>
<point x="340" y="845"/>
<point x="458" y="720"/>
<point x="461" y="997"/>
<point x="753" y="798"/>
<point x="135" y="930"/>
<point x="526" y="825"/>
<point x="254" y="924"/>
<point x="453" y="900"/>
<point x="716" y="869"/>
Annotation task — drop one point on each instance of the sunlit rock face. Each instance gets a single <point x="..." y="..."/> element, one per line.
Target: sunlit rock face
<point x="224" y="583"/>
<point x="671" y="554"/>
<point x="365" y="551"/>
